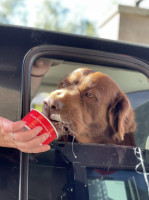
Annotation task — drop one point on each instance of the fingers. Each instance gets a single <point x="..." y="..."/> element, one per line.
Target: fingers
<point x="23" y="136"/>
<point x="34" y="145"/>
<point x="25" y="141"/>
<point x="13" y="126"/>
<point x="38" y="149"/>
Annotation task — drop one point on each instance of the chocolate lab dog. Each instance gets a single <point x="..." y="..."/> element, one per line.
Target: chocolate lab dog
<point x="91" y="107"/>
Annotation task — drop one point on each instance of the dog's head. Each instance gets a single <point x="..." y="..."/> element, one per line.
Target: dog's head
<point x="90" y="106"/>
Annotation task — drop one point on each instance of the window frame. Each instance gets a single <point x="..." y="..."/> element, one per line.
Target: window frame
<point x="80" y="55"/>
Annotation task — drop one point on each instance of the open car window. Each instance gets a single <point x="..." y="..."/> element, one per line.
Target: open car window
<point x="47" y="73"/>
<point x="98" y="169"/>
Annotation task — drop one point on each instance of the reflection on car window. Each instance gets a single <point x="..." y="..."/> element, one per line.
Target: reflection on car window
<point x="115" y="185"/>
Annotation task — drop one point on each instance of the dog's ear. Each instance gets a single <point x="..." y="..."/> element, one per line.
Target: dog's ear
<point x="121" y="117"/>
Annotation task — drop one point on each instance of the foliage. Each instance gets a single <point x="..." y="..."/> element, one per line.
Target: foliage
<point x="12" y="9"/>
<point x="83" y="27"/>
<point x="50" y="15"/>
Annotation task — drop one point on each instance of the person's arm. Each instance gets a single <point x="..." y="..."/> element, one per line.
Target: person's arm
<point x="26" y="141"/>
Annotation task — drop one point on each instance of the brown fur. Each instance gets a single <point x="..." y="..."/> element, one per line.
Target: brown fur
<point x="92" y="108"/>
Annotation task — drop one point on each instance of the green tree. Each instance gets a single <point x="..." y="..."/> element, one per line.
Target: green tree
<point x="83" y="27"/>
<point x="12" y="9"/>
<point x="56" y="17"/>
<point x="50" y="15"/>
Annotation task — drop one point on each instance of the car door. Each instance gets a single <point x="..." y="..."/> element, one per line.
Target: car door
<point x="72" y="170"/>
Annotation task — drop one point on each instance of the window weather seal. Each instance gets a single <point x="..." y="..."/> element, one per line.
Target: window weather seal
<point x="86" y="56"/>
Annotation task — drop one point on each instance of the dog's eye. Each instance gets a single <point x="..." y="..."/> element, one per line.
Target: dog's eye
<point x="89" y="94"/>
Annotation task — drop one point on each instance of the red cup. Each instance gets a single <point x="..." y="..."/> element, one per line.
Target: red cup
<point x="34" y="118"/>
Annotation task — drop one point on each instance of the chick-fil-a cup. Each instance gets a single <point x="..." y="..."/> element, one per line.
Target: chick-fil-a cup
<point x="34" y="118"/>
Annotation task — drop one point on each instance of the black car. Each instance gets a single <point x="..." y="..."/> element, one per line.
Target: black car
<point x="31" y="64"/>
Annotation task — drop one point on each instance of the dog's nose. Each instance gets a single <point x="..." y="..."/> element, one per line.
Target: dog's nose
<point x="54" y="101"/>
<point x="56" y="105"/>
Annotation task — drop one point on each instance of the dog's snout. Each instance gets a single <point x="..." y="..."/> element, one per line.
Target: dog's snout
<point x="54" y="101"/>
<point x="56" y="105"/>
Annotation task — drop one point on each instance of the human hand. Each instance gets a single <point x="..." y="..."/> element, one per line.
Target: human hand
<point x="12" y="136"/>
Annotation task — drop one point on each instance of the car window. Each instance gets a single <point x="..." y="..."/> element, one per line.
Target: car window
<point x="56" y="170"/>
<point x="134" y="84"/>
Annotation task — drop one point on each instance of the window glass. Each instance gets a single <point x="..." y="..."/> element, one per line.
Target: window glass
<point x="116" y="184"/>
